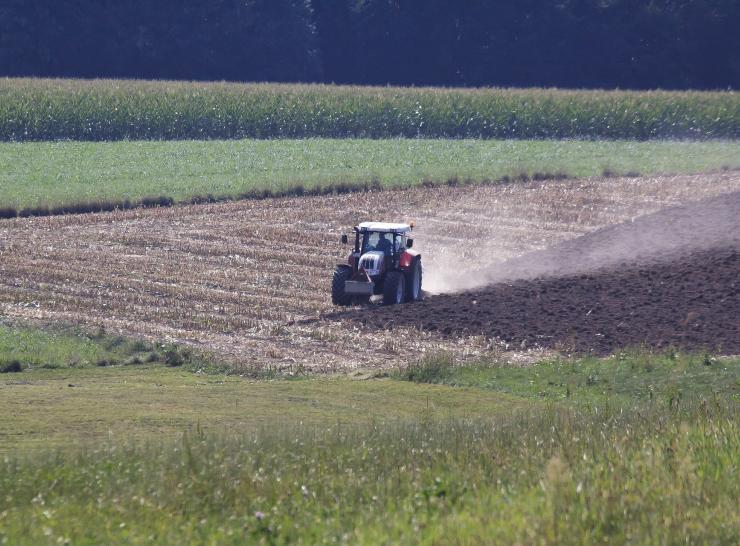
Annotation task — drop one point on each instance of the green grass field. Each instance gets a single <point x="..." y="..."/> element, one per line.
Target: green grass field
<point x="638" y="448"/>
<point x="156" y="455"/>
<point x="63" y="173"/>
<point x="71" y="408"/>
<point x="58" y="109"/>
<point x="62" y="347"/>
<point x="627" y="377"/>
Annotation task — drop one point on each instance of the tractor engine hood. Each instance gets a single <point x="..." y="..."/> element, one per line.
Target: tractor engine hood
<point x="372" y="262"/>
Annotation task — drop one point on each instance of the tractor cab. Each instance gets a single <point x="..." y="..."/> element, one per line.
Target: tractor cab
<point x="380" y="245"/>
<point x="381" y="263"/>
<point x="386" y="238"/>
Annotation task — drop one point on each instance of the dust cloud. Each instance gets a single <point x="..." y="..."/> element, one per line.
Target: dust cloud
<point x="650" y="238"/>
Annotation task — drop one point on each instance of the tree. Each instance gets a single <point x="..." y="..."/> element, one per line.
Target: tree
<point x="565" y="43"/>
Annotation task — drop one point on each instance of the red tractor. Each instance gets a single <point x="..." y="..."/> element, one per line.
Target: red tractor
<point x="382" y="262"/>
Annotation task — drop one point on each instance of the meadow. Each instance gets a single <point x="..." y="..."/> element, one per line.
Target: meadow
<point x="59" y="109"/>
<point x="42" y="176"/>
<point x="377" y="461"/>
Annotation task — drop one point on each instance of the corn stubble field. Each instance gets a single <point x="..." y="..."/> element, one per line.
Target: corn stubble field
<point x="249" y="281"/>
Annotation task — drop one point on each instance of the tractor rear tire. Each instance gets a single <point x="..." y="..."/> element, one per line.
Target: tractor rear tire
<point x="394" y="288"/>
<point x="341" y="275"/>
<point x="413" y="281"/>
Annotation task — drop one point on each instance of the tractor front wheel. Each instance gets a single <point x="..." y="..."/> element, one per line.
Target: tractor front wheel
<point x="341" y="275"/>
<point x="394" y="288"/>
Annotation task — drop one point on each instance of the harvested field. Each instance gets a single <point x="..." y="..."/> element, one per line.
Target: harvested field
<point x="249" y="280"/>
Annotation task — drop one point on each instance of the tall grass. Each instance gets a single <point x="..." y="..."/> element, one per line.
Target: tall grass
<point x="48" y="109"/>
<point x="27" y="348"/>
<point x="633" y="375"/>
<point x="653" y="475"/>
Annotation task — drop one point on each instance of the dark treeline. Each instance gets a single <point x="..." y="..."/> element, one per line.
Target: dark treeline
<point x="566" y="43"/>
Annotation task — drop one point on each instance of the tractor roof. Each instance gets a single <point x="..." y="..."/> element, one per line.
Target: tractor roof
<point x="384" y="227"/>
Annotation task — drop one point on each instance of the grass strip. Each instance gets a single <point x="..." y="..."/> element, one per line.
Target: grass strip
<point x="66" y="177"/>
<point x="638" y="375"/>
<point x="24" y="348"/>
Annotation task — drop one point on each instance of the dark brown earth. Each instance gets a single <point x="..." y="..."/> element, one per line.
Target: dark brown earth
<point x="670" y="279"/>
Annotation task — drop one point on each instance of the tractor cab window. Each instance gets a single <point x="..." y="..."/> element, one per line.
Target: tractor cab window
<point x="382" y="242"/>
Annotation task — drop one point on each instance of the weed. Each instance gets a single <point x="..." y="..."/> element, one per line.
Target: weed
<point x="434" y="368"/>
<point x="175" y="356"/>
<point x="139" y="346"/>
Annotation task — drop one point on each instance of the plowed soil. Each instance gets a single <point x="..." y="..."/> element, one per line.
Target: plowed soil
<point x="667" y="279"/>
<point x="249" y="280"/>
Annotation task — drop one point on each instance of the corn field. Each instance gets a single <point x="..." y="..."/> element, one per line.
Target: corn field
<point x="58" y="109"/>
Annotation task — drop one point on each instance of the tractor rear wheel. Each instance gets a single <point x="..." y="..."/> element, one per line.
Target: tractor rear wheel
<point x="413" y="281"/>
<point x="338" y="296"/>
<point x="394" y="288"/>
